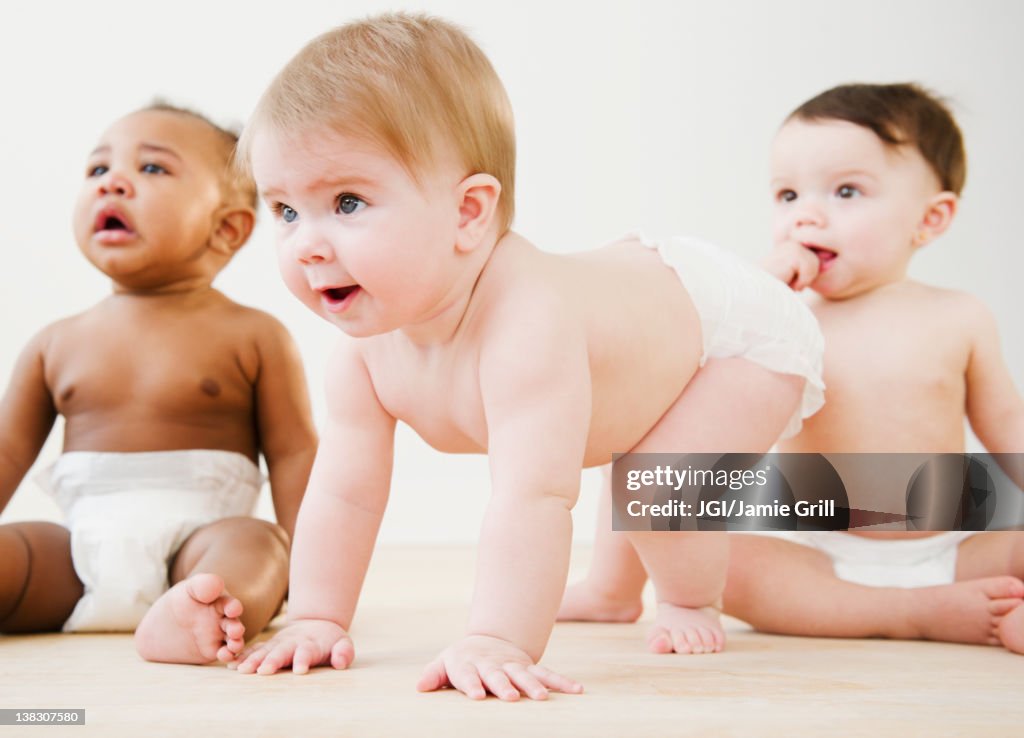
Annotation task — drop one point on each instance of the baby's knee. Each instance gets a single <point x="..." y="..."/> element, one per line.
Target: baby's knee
<point x="15" y="559"/>
<point x="252" y="534"/>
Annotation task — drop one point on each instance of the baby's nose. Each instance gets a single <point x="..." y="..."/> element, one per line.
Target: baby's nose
<point x="310" y="247"/>
<point x="114" y="183"/>
<point x="807" y="212"/>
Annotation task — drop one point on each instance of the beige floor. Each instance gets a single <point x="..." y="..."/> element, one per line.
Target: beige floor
<point x="415" y="601"/>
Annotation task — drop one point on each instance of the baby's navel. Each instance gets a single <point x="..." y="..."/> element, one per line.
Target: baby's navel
<point x="68" y="393"/>
<point x="210" y="387"/>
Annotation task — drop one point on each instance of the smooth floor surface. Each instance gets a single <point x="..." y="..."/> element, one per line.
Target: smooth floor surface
<point x="415" y="602"/>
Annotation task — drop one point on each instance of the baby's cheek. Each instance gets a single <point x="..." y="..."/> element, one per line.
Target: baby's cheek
<point x="296" y="283"/>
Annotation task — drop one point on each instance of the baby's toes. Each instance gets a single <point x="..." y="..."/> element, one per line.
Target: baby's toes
<point x="686" y="640"/>
<point x="660" y="641"/>
<point x="707" y="640"/>
<point x="232" y="628"/>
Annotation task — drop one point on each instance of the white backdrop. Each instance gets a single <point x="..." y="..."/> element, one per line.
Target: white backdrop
<point x="645" y="113"/>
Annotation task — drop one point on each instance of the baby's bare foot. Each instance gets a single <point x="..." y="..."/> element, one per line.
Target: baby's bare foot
<point x="194" y="622"/>
<point x="1011" y="629"/>
<point x="969" y="612"/>
<point x="584" y="602"/>
<point x="686" y="630"/>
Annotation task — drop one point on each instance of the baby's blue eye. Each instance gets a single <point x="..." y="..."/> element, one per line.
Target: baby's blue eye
<point x="847" y="191"/>
<point x="786" y="196"/>
<point x="152" y="169"/>
<point x="96" y="171"/>
<point x="349" y="204"/>
<point x="288" y="214"/>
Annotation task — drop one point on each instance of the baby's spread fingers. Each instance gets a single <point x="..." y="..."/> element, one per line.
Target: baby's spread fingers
<point x="249" y="660"/>
<point x="498" y="684"/>
<point x="554" y="681"/>
<point x="526" y="682"/>
<point x="306" y="655"/>
<point x="466" y="679"/>
<point x="280" y="656"/>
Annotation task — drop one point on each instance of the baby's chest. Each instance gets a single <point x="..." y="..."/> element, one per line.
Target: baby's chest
<point x="109" y="373"/>
<point x="897" y="361"/>
<point x="441" y="402"/>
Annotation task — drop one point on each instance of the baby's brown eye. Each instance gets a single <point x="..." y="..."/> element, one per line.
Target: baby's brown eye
<point x="349" y="204"/>
<point x="786" y="196"/>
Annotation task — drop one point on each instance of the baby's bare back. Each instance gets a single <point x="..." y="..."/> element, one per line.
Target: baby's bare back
<point x="641" y="332"/>
<point x="149" y="373"/>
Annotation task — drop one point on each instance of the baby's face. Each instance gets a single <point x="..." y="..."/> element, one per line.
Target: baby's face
<point x="856" y="202"/>
<point x="360" y="242"/>
<point x="146" y="208"/>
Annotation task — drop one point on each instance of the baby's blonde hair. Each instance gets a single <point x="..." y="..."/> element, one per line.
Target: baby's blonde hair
<point x="414" y="85"/>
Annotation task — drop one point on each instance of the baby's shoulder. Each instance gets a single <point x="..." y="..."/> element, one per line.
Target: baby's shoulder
<point x="949" y="304"/>
<point x="78" y="325"/>
<point x="245" y="321"/>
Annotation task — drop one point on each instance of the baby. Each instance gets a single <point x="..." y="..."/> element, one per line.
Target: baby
<point x="170" y="391"/>
<point x="385" y="150"/>
<point x="863" y="176"/>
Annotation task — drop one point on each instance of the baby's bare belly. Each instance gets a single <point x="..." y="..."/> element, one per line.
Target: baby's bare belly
<point x="119" y="431"/>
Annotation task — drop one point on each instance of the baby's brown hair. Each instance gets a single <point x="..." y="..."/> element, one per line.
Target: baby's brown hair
<point x="903" y="114"/>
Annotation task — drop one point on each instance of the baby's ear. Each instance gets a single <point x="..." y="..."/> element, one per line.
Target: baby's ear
<point x="937" y="216"/>
<point x="478" y="203"/>
<point x="233" y="226"/>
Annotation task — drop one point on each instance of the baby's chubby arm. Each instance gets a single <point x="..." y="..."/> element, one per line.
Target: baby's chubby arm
<point x="286" y="432"/>
<point x="337" y="524"/>
<point x="994" y="406"/>
<point x="536" y="391"/>
<point x="793" y="264"/>
<point x="27" y="414"/>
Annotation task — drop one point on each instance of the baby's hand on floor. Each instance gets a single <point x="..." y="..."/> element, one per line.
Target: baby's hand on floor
<point x="480" y="664"/>
<point x="793" y="264"/>
<point x="686" y="630"/>
<point x="301" y="644"/>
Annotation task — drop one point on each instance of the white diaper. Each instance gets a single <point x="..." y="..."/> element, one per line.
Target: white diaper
<point x="129" y="513"/>
<point x="906" y="563"/>
<point x="747" y="313"/>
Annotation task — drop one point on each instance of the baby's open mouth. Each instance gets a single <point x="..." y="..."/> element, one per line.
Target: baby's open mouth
<point x="111" y="221"/>
<point x="337" y="294"/>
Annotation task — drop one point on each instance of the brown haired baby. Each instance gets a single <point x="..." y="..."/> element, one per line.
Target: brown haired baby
<point x="863" y="176"/>
<point x="385" y="149"/>
<point x="170" y="392"/>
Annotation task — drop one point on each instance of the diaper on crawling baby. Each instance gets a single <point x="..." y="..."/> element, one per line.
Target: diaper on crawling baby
<point x="129" y="513"/>
<point x="747" y="313"/>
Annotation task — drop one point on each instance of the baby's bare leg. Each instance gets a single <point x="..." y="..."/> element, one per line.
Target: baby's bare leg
<point x="731" y="405"/>
<point x="992" y="554"/>
<point x="782" y="587"/>
<point x="228" y="578"/>
<point x="38" y="584"/>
